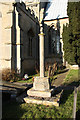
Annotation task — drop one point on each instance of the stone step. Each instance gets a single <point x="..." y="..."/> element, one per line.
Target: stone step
<point x="51" y="101"/>
<point x="54" y="100"/>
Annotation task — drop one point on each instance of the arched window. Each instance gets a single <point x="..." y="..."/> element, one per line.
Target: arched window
<point x="58" y="36"/>
<point x="30" y="47"/>
<point x="51" y="40"/>
<point x="30" y="41"/>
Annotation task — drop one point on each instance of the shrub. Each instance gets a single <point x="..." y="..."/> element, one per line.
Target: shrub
<point x="10" y="75"/>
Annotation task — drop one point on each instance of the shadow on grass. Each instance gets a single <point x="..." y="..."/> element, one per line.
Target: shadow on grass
<point x="67" y="90"/>
<point x="12" y="110"/>
<point x="29" y="78"/>
<point x="78" y="115"/>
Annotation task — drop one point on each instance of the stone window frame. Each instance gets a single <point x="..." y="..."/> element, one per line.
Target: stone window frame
<point x="31" y="35"/>
<point x="30" y="46"/>
<point x="50" y="49"/>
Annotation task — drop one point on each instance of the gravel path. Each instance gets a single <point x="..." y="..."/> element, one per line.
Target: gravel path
<point x="60" y="78"/>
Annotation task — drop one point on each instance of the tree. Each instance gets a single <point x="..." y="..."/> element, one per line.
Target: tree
<point x="71" y="34"/>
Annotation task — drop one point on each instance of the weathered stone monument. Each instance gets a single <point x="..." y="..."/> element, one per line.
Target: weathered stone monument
<point x="41" y="86"/>
<point x="41" y="93"/>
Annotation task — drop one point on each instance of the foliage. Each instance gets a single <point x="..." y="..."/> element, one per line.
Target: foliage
<point x="10" y="75"/>
<point x="71" y="34"/>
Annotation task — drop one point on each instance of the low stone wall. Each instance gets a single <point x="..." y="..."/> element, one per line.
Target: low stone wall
<point x="75" y="67"/>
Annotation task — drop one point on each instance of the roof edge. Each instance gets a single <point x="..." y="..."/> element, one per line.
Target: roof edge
<point x="56" y="19"/>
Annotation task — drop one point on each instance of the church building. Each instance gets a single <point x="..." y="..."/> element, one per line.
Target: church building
<point x="55" y="17"/>
<point x="19" y="31"/>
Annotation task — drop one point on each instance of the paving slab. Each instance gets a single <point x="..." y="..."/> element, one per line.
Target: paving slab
<point x="12" y="88"/>
<point x="60" y="78"/>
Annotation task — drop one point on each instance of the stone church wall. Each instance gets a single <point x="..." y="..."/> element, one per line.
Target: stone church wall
<point x="5" y="34"/>
<point x="29" y="27"/>
<point x="19" y="44"/>
<point x="18" y="25"/>
<point x="58" y="27"/>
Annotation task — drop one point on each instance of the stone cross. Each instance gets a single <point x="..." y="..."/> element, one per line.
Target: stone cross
<point x="41" y="86"/>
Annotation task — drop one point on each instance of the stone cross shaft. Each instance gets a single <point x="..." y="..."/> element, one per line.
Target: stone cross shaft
<point x="41" y="36"/>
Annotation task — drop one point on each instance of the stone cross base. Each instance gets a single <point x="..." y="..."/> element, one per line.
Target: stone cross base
<point x="53" y="100"/>
<point x="49" y="102"/>
<point x="37" y="93"/>
<point x="41" y="87"/>
<point x="41" y="84"/>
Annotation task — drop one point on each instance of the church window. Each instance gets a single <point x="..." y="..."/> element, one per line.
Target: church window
<point x="30" y="39"/>
<point x="30" y="46"/>
<point x="51" y="42"/>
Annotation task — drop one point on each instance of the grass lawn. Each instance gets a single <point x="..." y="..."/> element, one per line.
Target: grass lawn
<point x="24" y="110"/>
<point x="30" y="79"/>
<point x="72" y="78"/>
<point x="18" y="111"/>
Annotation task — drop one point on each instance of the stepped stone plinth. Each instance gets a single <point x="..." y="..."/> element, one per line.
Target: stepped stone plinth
<point x="41" y="87"/>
